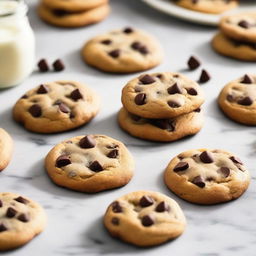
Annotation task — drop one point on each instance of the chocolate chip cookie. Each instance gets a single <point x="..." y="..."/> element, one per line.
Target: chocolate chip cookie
<point x="123" y="51"/>
<point x="234" y="49"/>
<point x="145" y="218"/>
<point x="206" y="176"/>
<point x="240" y="27"/>
<point x="161" y="129"/>
<point x="90" y="163"/>
<point x="162" y="95"/>
<point x="208" y="6"/>
<point x="56" y="107"/>
<point x="238" y="100"/>
<point x="6" y="149"/>
<point x="21" y="219"/>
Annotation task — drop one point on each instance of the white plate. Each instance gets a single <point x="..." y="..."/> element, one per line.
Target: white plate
<point x="170" y="8"/>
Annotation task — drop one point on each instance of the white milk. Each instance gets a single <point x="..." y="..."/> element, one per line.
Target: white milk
<point x="17" y="43"/>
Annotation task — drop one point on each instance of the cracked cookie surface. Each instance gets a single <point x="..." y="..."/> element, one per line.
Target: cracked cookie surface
<point x="6" y="149"/>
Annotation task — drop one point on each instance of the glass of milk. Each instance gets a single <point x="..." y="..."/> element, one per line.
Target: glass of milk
<point x="17" y="43"/>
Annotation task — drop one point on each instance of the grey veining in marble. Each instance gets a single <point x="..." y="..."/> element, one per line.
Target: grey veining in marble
<point x="75" y="219"/>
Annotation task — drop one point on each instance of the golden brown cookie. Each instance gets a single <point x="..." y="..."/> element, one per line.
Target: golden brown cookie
<point x="90" y="164"/>
<point x="206" y="176"/>
<point x="145" y="218"/>
<point x="6" y="149"/>
<point x="238" y="100"/>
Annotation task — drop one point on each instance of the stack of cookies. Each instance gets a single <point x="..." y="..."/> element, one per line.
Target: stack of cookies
<point x="237" y="38"/>
<point x="73" y="13"/>
<point x="161" y="107"/>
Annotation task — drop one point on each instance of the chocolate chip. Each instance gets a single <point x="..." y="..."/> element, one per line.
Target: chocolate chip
<point x="236" y="160"/>
<point x="136" y="45"/>
<point x="204" y="77"/>
<point x="128" y="30"/>
<point x="192" y="91"/>
<point x="225" y="171"/>
<point x="35" y="110"/>
<point x="95" y="166"/>
<point x="174" y="89"/>
<point x="146" y="201"/>
<point x="165" y="124"/>
<point x="87" y="142"/>
<point x="197" y="110"/>
<point x="23" y="217"/>
<point x="243" y="24"/>
<point x="147" y="220"/>
<point x="72" y="115"/>
<point x="147" y="79"/>
<point x="198" y="180"/>
<point x="193" y="63"/>
<point x="76" y="95"/>
<point x="246" y="101"/>
<point x="206" y="157"/>
<point x="58" y="65"/>
<point x="113" y="154"/>
<point x="42" y="89"/>
<point x="246" y="80"/>
<point x="11" y="212"/>
<point x="24" y="96"/>
<point x="114" y="53"/>
<point x="43" y="65"/>
<point x="144" y="50"/>
<point x="64" y="108"/>
<point x="181" y="166"/>
<point x="230" y="98"/>
<point x="57" y="102"/>
<point x="106" y="41"/>
<point x="3" y="227"/>
<point x="162" y="207"/>
<point x="195" y="1"/>
<point x="116" y="207"/>
<point x="1" y="203"/>
<point x="62" y="161"/>
<point x="115" y="221"/>
<point x="140" y="99"/>
<point x="21" y="200"/>
<point x="173" y="104"/>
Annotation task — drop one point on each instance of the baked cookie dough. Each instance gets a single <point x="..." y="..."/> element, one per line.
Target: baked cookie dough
<point x="63" y="18"/>
<point x="6" y="149"/>
<point x="238" y="100"/>
<point x="234" y="49"/>
<point x="56" y="107"/>
<point x="73" y="5"/>
<point x="123" y="51"/>
<point x="90" y="164"/>
<point x="240" y="27"/>
<point x="21" y="219"/>
<point x="145" y="218"/>
<point x="161" y="129"/>
<point x="208" y="6"/>
<point x="206" y="176"/>
<point x="162" y="95"/>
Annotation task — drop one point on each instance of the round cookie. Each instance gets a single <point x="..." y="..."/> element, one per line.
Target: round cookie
<point x="208" y="6"/>
<point x="206" y="176"/>
<point x="56" y="107"/>
<point x="62" y="18"/>
<point x="90" y="164"/>
<point x="123" y="51"/>
<point x="21" y="219"/>
<point x="6" y="149"/>
<point x="238" y="100"/>
<point x="74" y="5"/>
<point x="145" y="218"/>
<point x="234" y="49"/>
<point x="161" y="129"/>
<point x="162" y="95"/>
<point x="240" y="27"/>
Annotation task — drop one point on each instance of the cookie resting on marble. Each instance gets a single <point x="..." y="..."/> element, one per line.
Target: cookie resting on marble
<point x="6" y="149"/>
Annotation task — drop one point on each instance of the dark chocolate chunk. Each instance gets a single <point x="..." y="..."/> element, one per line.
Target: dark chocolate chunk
<point x="23" y="217"/>
<point x="194" y="1"/>
<point x="147" y="220"/>
<point x="230" y="98"/>
<point x="236" y="160"/>
<point x="21" y="200"/>
<point x="128" y="30"/>
<point x="58" y="65"/>
<point x="225" y="171"/>
<point x="106" y="41"/>
<point x="246" y="101"/>
<point x="114" y="53"/>
<point x="24" y="96"/>
<point x="246" y="80"/>
<point x="197" y="110"/>
<point x="206" y="157"/>
<point x="146" y="201"/>
<point x="62" y="161"/>
<point x="1" y="203"/>
<point x="147" y="79"/>
<point x="193" y="63"/>
<point x="95" y="166"/>
<point x="87" y="142"/>
<point x="198" y="180"/>
<point x="136" y="45"/>
<point x="192" y="91"/>
<point x="144" y="50"/>
<point x="113" y="153"/>
<point x="115" y="221"/>
<point x="140" y="99"/>
<point x="204" y="77"/>
<point x="64" y="108"/>
<point x="116" y="207"/>
<point x="181" y="166"/>
<point x="11" y="212"/>
<point x="162" y="207"/>
<point x="165" y="124"/>
<point x="174" y="89"/>
<point x="3" y="227"/>
<point x="42" y="89"/>
<point x="173" y="104"/>
<point x="43" y="65"/>
<point x="35" y="110"/>
<point x="244" y="24"/>
<point x="76" y="95"/>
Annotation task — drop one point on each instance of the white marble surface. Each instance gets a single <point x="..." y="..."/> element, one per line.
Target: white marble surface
<point x="75" y="219"/>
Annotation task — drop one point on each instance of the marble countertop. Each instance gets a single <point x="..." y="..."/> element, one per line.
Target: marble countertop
<point x="75" y="219"/>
